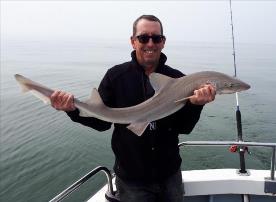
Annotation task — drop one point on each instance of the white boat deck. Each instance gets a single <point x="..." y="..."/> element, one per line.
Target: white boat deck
<point x="215" y="182"/>
<point x="223" y="181"/>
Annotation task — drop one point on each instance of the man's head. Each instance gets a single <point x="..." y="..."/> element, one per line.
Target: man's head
<point x="149" y="18"/>
<point x="148" y="40"/>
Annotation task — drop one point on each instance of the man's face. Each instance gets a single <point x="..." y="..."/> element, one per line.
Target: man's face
<point x="147" y="54"/>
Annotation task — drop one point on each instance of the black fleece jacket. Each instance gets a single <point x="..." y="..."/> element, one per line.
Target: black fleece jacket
<point x="154" y="156"/>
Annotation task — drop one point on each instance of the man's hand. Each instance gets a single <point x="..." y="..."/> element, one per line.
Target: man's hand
<point x="203" y="95"/>
<point x="61" y="100"/>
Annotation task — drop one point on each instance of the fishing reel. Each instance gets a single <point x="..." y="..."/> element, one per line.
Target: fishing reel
<point x="236" y="148"/>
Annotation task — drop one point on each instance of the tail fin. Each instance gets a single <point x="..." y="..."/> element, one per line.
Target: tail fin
<point x="22" y="82"/>
<point x="38" y="90"/>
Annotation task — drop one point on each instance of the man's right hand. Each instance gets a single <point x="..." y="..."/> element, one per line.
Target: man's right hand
<point x="61" y="100"/>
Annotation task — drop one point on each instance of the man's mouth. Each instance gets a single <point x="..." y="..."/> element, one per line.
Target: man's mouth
<point x="149" y="51"/>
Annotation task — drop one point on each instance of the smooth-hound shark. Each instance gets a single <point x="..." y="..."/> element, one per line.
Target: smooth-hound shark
<point x="170" y="95"/>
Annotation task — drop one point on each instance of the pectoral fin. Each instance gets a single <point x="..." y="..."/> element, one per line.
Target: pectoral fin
<point x="138" y="128"/>
<point x="184" y="99"/>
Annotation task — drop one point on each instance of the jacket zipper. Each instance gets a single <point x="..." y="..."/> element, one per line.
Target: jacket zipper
<point x="144" y="87"/>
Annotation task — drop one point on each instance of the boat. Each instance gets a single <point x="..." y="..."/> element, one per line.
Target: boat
<point x="205" y="185"/>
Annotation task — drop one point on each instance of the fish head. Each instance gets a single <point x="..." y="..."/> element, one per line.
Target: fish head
<point x="229" y="85"/>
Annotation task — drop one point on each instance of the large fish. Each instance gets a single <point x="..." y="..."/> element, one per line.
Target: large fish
<point x="170" y="95"/>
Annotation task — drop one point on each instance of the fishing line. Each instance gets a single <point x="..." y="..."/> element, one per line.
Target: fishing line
<point x="233" y="41"/>
<point x="234" y="51"/>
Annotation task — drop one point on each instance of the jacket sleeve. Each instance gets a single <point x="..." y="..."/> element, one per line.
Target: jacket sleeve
<point x="186" y="118"/>
<point x="106" y="93"/>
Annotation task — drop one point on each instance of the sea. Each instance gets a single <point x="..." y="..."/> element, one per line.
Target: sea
<point x="43" y="152"/>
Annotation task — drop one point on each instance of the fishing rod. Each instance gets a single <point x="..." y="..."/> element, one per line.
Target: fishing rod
<point x="241" y="150"/>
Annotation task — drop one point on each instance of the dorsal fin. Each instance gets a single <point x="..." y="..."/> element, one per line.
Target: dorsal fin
<point x="159" y="80"/>
<point x="94" y="101"/>
<point x="95" y="98"/>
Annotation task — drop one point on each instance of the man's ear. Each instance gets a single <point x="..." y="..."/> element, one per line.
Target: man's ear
<point x="132" y="41"/>
<point x="164" y="40"/>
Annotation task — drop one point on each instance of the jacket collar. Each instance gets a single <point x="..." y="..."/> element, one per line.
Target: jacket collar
<point x="162" y="61"/>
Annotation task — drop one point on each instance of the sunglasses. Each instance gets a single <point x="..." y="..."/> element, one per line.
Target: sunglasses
<point x="144" y="38"/>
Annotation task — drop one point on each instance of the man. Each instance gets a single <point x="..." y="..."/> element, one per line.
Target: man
<point x="148" y="167"/>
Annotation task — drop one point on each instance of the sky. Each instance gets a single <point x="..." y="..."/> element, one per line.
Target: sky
<point x="206" y="21"/>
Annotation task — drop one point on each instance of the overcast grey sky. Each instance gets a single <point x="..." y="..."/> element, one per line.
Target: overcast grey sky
<point x="208" y="21"/>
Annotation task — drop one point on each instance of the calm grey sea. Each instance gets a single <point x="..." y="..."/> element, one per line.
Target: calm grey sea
<point x="43" y="152"/>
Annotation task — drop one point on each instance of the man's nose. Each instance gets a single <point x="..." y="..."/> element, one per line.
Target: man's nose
<point x="150" y="42"/>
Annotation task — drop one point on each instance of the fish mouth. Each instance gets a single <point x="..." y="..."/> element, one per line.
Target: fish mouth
<point x="241" y="86"/>
<point x="245" y="86"/>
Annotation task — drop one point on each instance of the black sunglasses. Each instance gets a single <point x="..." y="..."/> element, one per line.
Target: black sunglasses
<point x="144" y="38"/>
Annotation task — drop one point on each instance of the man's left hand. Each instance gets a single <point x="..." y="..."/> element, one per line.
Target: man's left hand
<point x="203" y="95"/>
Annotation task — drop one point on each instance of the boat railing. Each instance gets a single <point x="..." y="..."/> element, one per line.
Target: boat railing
<point x="82" y="180"/>
<point x="86" y="177"/>
<point x="241" y="144"/>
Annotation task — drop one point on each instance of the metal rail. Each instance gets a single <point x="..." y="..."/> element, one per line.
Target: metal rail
<point x="228" y="143"/>
<point x="83" y="179"/>
<point x="86" y="177"/>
